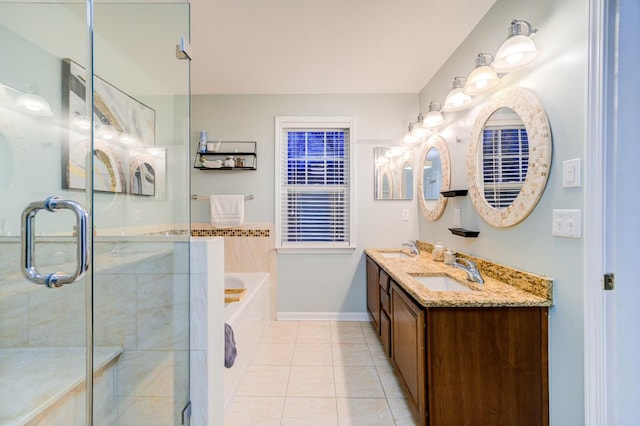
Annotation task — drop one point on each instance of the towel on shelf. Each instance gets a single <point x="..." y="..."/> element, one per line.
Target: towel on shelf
<point x="227" y="211"/>
<point x="230" y="350"/>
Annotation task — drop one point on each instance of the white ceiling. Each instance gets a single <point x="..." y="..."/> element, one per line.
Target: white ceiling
<point x="325" y="46"/>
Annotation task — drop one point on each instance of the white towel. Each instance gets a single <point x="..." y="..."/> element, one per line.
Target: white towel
<point x="227" y="211"/>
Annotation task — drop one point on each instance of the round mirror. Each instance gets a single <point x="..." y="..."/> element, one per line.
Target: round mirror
<point x="509" y="157"/>
<point x="406" y="185"/>
<point x="435" y="177"/>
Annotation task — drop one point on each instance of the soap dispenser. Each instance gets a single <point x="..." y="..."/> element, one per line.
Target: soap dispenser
<point x="202" y="146"/>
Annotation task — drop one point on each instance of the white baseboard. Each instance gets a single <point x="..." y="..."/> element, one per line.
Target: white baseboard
<point x="323" y="316"/>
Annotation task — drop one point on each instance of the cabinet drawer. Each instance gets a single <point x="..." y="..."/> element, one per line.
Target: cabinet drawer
<point x="384" y="280"/>
<point x="385" y="301"/>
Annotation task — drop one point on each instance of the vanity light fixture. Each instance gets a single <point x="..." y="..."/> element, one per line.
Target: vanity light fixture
<point x="419" y="130"/>
<point x="80" y="122"/>
<point x="518" y="50"/>
<point x="434" y="117"/>
<point x="128" y="139"/>
<point x="482" y="78"/>
<point x="4" y="95"/>
<point x="457" y="100"/>
<point x="34" y="105"/>
<point x="106" y="132"/>
<point x="409" y="138"/>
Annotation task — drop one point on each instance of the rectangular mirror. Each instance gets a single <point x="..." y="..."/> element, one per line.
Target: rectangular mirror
<point x="393" y="174"/>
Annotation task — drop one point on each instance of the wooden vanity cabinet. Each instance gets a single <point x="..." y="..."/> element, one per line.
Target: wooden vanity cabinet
<point x="373" y="292"/>
<point x="472" y="366"/>
<point x="385" y="311"/>
<point x="408" y="346"/>
<point x="465" y="365"/>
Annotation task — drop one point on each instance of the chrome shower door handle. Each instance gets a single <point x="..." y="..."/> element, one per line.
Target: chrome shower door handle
<point x="55" y="279"/>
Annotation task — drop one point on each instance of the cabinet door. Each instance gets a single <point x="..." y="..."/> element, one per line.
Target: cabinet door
<point x="408" y="339"/>
<point x="373" y="292"/>
<point x="385" y="332"/>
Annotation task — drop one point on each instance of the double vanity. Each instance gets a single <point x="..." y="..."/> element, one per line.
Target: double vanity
<point x="468" y="353"/>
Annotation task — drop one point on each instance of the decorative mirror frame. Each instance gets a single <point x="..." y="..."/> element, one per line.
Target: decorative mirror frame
<point x="530" y="110"/>
<point x="438" y="142"/>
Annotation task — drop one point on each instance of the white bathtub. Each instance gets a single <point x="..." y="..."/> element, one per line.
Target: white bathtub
<point x="247" y="318"/>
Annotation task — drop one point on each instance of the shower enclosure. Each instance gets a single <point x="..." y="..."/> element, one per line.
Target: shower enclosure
<point x="94" y="213"/>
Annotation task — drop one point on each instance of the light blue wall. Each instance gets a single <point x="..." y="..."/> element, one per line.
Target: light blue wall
<point x="624" y="331"/>
<point x="559" y="81"/>
<point x="309" y="283"/>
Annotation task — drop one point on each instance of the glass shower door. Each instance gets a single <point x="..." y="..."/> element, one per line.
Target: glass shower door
<point x="128" y="124"/>
<point x="141" y="211"/>
<point x="43" y="323"/>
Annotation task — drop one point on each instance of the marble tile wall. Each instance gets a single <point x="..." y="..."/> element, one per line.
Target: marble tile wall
<point x="141" y="303"/>
<point x="250" y="248"/>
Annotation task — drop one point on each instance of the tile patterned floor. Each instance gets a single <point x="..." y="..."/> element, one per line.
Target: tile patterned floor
<point x="319" y="374"/>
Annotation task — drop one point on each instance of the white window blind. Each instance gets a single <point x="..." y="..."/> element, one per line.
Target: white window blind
<point x="505" y="160"/>
<point x="315" y="187"/>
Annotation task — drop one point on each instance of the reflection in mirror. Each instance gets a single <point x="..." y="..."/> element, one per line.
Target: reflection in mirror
<point x="509" y="157"/>
<point x="407" y="181"/>
<point x="393" y="174"/>
<point x="436" y="175"/>
<point x="504" y="157"/>
<point x="431" y="177"/>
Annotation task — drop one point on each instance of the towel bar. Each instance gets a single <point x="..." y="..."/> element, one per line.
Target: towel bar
<point x="204" y="197"/>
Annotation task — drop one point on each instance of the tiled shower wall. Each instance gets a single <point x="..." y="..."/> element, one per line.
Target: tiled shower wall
<point x="141" y="304"/>
<point x="249" y="248"/>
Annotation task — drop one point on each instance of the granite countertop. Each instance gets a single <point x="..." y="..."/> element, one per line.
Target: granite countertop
<point x="510" y="292"/>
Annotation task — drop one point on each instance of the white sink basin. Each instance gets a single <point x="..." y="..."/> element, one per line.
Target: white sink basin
<point x="395" y="254"/>
<point x="441" y="283"/>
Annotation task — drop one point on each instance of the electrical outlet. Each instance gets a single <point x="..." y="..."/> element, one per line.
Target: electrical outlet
<point x="567" y="223"/>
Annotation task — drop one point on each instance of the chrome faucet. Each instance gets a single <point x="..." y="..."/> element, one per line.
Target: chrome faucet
<point x="470" y="267"/>
<point x="412" y="246"/>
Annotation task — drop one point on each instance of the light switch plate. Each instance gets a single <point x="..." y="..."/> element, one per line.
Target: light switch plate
<point x="405" y="215"/>
<point x="567" y="223"/>
<point x="571" y="173"/>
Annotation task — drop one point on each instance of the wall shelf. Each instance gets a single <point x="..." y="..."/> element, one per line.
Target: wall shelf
<point x="464" y="232"/>
<point x="244" y="154"/>
<point x="455" y="193"/>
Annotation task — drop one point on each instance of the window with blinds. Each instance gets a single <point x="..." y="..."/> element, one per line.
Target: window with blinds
<point x="505" y="160"/>
<point x="315" y="187"/>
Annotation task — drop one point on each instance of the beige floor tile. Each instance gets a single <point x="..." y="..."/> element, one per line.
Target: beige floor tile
<point x="315" y="323"/>
<point x="364" y="411"/>
<point x="312" y="354"/>
<point x="401" y="411"/>
<point x="283" y="324"/>
<point x="272" y="354"/>
<point x="347" y="323"/>
<point x="314" y="335"/>
<point x="310" y="412"/>
<point x="270" y="380"/>
<point x="358" y="382"/>
<point x="351" y="354"/>
<point x="392" y="384"/>
<point x="263" y="411"/>
<point x="348" y="335"/>
<point x="382" y="362"/>
<point x="311" y="381"/>
<point x="279" y="334"/>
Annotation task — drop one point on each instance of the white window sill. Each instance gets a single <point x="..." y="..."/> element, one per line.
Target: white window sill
<point x="315" y="250"/>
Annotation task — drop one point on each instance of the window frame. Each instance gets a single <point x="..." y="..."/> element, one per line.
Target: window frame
<point x="284" y="123"/>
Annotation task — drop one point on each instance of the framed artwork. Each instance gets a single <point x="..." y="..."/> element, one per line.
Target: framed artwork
<point x="124" y="153"/>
